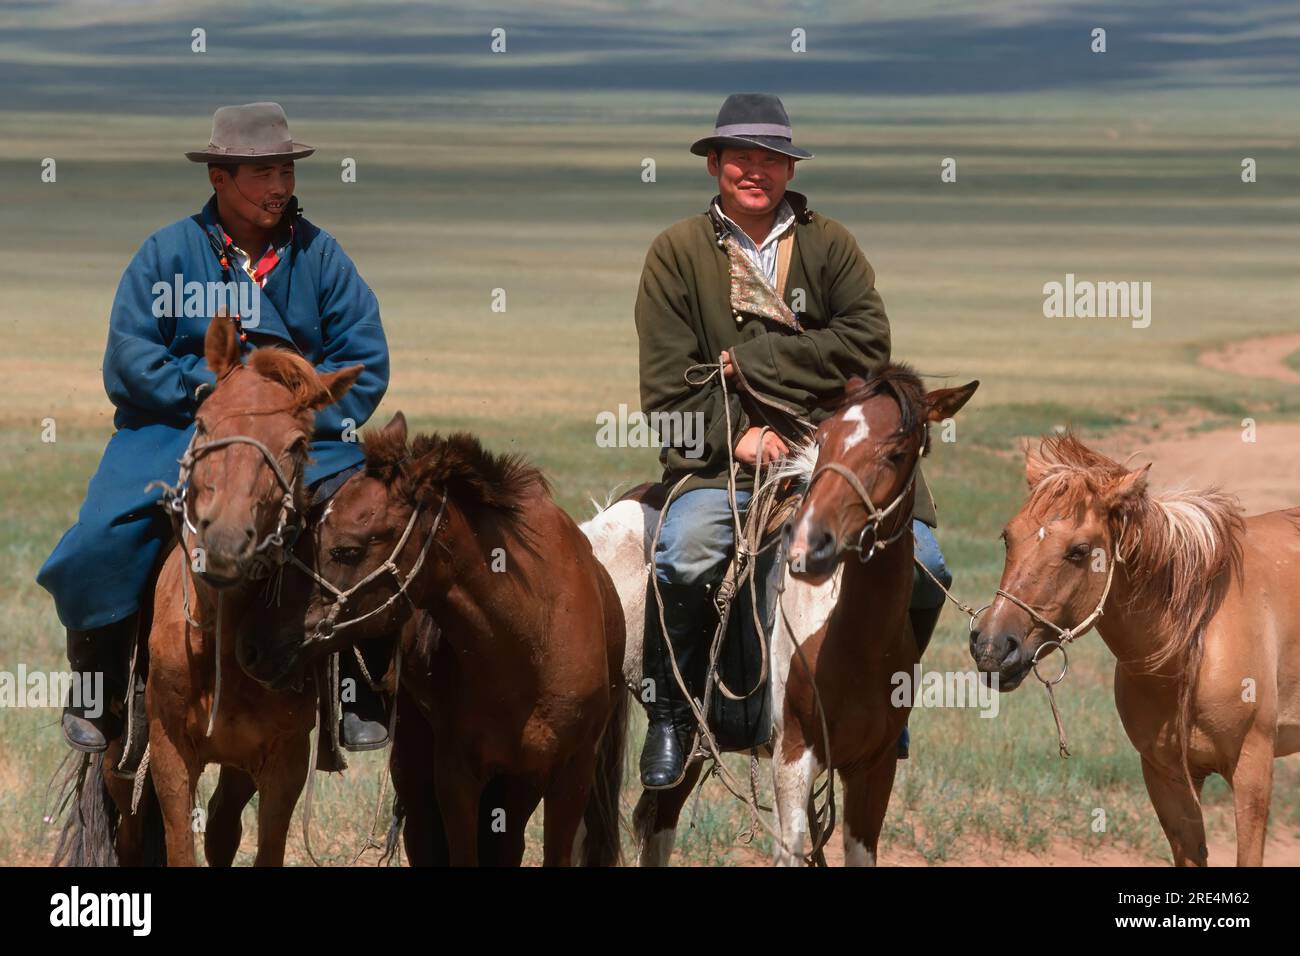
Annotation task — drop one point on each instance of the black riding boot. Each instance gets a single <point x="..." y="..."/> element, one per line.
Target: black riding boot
<point x="365" y="718"/>
<point x="671" y="723"/>
<point x="92" y="715"/>
<point x="924" y="620"/>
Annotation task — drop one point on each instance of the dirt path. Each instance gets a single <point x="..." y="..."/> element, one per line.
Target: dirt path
<point x="1263" y="357"/>
<point x="1264" y="474"/>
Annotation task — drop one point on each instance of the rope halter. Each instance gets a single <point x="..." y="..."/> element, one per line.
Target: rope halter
<point x="272" y="550"/>
<point x="876" y="516"/>
<point x="327" y="626"/>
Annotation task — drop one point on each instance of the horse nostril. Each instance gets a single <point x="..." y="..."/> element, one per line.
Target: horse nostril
<point x="974" y="639"/>
<point x="205" y="524"/>
<point x="821" y="545"/>
<point x="1013" y="648"/>
<point x="250" y="532"/>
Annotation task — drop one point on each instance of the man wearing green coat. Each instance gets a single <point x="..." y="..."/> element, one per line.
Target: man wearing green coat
<point x="785" y="300"/>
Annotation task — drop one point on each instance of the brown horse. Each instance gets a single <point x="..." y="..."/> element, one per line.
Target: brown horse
<point x="511" y="647"/>
<point x="244" y="487"/>
<point x="1200" y="608"/>
<point x="859" y="499"/>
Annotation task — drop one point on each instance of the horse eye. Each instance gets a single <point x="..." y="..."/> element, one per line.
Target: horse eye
<point x="347" y="555"/>
<point x="1078" y="552"/>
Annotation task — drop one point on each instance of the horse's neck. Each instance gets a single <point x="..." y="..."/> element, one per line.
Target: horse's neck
<point x="213" y="608"/>
<point x="871" y="613"/>
<point x="1129" y="625"/>
<point x="455" y="588"/>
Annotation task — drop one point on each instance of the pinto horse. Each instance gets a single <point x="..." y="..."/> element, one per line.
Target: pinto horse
<point x="244" y="484"/>
<point x="1200" y="608"/>
<point x="877" y="434"/>
<point x="511" y="637"/>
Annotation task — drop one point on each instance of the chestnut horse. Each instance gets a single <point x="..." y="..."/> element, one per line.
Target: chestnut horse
<point x="878" y="433"/>
<point x="1200" y="608"/>
<point x="244" y="489"/>
<point x="511" y="642"/>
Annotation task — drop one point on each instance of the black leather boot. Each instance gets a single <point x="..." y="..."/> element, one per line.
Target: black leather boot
<point x="98" y="659"/>
<point x="365" y="719"/>
<point x="671" y="726"/>
<point x="924" y="620"/>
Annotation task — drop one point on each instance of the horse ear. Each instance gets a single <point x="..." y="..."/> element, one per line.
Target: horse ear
<point x="396" y="428"/>
<point x="335" y="384"/>
<point x="1124" y="491"/>
<point x="947" y="402"/>
<point x="221" y="344"/>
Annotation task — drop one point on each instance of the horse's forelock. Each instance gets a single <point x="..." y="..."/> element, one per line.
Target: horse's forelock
<point x="385" y="453"/>
<point x="293" y="372"/>
<point x="897" y="380"/>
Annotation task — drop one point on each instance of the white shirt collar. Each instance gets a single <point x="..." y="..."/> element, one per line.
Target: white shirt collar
<point x="784" y="216"/>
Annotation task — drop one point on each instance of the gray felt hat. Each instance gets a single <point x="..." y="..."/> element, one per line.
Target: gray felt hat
<point x="751" y="119"/>
<point x="248" y="133"/>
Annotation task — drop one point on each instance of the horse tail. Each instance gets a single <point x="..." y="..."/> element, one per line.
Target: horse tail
<point x="90" y="817"/>
<point x="394" y="831"/>
<point x="601" y="819"/>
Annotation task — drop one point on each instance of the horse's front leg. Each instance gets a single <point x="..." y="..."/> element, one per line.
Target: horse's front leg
<point x="866" y="798"/>
<point x="221" y="838"/>
<point x="458" y="789"/>
<point x="1252" y="792"/>
<point x="793" y="774"/>
<point x="1179" y="813"/>
<point x="279" y="784"/>
<point x="174" y="768"/>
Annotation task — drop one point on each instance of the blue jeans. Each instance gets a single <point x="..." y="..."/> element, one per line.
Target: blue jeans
<point x="697" y="540"/>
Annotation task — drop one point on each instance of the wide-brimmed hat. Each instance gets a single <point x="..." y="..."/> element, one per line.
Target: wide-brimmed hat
<point x="254" y="132"/>
<point x="751" y="119"/>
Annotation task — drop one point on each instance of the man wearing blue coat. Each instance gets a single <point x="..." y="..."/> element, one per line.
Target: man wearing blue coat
<point x="296" y="289"/>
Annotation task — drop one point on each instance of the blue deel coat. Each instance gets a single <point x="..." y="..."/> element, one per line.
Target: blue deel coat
<point x="313" y="301"/>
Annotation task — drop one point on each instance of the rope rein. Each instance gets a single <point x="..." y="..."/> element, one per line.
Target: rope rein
<point x="740" y="571"/>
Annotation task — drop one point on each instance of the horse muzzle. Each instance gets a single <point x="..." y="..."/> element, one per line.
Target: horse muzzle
<point x="1001" y="653"/>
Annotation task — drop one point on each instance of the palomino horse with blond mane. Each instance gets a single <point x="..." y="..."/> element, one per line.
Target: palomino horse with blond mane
<point x="1200" y="608"/>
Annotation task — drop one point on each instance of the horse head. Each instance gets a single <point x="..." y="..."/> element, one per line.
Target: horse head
<point x="867" y="455"/>
<point x="243" y="471"/>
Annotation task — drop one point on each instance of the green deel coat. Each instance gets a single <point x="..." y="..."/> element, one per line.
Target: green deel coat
<point x="684" y="318"/>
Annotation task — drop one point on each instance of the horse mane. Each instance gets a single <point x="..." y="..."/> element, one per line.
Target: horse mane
<point x="898" y="380"/>
<point x="1182" y="548"/>
<point x="1179" y="544"/>
<point x="473" y="476"/>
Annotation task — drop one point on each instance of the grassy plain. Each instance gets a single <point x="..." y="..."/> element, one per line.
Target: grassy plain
<point x="543" y="197"/>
